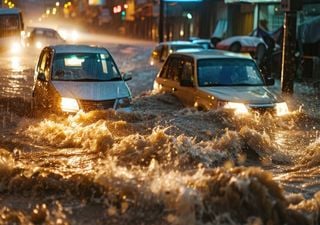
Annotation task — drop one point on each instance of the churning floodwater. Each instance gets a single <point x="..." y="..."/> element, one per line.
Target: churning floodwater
<point x="159" y="164"/>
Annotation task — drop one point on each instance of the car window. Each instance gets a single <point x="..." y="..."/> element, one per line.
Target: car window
<point x="157" y="52"/>
<point x="174" y="69"/>
<point x="228" y="72"/>
<point x="84" y="66"/>
<point x="44" y="63"/>
<point x="164" y="53"/>
<point x="164" y="70"/>
<point x="187" y="71"/>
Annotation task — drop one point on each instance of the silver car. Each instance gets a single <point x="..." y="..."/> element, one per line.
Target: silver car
<point x="163" y="49"/>
<point x="69" y="78"/>
<point x="210" y="79"/>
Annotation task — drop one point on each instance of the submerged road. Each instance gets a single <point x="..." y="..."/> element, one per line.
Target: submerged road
<point x="160" y="164"/>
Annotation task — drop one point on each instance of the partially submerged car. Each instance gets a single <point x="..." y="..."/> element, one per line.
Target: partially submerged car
<point x="210" y="79"/>
<point x="163" y="49"/>
<point x="69" y="78"/>
<point x="40" y="37"/>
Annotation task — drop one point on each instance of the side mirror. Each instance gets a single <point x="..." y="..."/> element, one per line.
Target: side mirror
<point x="127" y="76"/>
<point x="41" y="77"/>
<point x="269" y="81"/>
<point x="186" y="83"/>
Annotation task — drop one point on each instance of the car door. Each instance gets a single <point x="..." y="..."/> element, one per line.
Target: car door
<point x="173" y="73"/>
<point x="185" y="89"/>
<point x="164" y="78"/>
<point x="42" y="78"/>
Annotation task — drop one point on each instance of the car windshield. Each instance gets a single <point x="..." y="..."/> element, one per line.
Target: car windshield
<point x="228" y="72"/>
<point x="84" y="67"/>
<point x="42" y="33"/>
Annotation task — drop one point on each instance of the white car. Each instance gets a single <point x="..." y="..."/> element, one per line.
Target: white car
<point x="210" y="79"/>
<point x="69" y="78"/>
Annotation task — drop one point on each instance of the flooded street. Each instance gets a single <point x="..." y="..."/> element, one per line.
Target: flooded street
<point x="161" y="163"/>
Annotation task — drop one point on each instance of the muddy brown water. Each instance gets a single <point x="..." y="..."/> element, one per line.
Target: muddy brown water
<point x="160" y="164"/>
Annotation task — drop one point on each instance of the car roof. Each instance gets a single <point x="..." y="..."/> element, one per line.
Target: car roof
<point x="212" y="54"/>
<point x="72" y="48"/>
<point x="176" y="43"/>
<point x="201" y="40"/>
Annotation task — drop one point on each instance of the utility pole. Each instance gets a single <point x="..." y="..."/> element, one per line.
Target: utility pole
<point x="161" y="21"/>
<point x="289" y="46"/>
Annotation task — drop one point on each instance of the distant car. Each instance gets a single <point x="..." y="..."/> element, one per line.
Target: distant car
<point x="163" y="49"/>
<point x="211" y="79"/>
<point x="255" y="46"/>
<point x="205" y="43"/>
<point x="69" y="78"/>
<point x="241" y="44"/>
<point x="40" y="37"/>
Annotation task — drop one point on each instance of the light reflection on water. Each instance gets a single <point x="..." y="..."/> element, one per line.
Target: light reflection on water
<point x="16" y="65"/>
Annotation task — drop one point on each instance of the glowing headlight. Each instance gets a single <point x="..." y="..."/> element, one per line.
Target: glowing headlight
<point x="69" y="105"/>
<point x="15" y="47"/>
<point x="38" y="44"/>
<point x="239" y="108"/>
<point x="282" y="109"/>
<point x="75" y="35"/>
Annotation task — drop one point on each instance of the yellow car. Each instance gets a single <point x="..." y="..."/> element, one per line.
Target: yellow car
<point x="210" y="79"/>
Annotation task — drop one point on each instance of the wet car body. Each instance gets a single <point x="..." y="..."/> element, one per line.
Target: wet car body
<point x="211" y="79"/>
<point x="241" y="44"/>
<point x="163" y="49"/>
<point x="40" y="37"/>
<point x="205" y="43"/>
<point x="69" y="78"/>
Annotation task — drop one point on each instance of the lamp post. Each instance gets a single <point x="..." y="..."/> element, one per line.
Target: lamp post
<point x="289" y="69"/>
<point x="161" y="21"/>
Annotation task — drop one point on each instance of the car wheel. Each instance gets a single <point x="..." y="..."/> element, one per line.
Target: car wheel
<point x="235" y="47"/>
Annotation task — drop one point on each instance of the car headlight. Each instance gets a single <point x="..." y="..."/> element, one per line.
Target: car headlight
<point x="15" y="47"/>
<point x="38" y="45"/>
<point x="282" y="109"/>
<point x="123" y="102"/>
<point x="239" y="108"/>
<point x="74" y="35"/>
<point x="69" y="105"/>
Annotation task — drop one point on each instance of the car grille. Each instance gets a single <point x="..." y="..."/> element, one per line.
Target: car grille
<point x="262" y="109"/>
<point x="87" y="105"/>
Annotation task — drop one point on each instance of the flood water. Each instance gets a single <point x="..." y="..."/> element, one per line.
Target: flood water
<point x="160" y="164"/>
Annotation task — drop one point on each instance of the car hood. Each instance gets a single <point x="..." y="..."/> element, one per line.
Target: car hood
<point x="95" y="91"/>
<point x="248" y="95"/>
